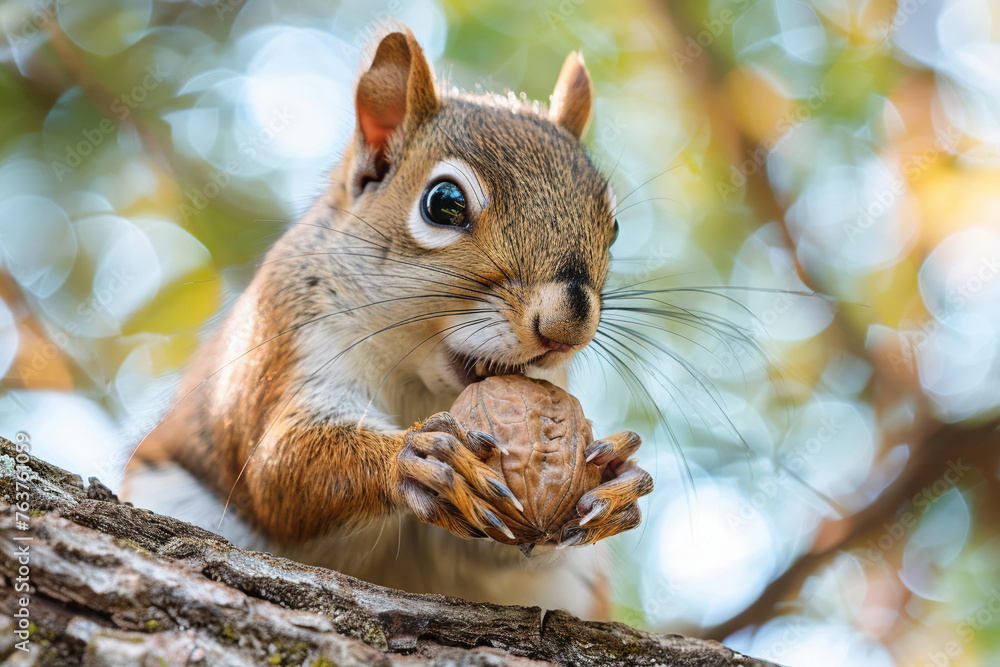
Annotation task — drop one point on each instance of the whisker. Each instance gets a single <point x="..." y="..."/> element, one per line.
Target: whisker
<point x="727" y="334"/>
<point x="660" y="378"/>
<point x="362" y="221"/>
<point x="642" y="185"/>
<point x="645" y="341"/>
<point x="607" y="181"/>
<point x="378" y="389"/>
<point x="436" y="269"/>
<point x="472" y="186"/>
<point x="707" y="289"/>
<point x="273" y="338"/>
<point x="408" y="278"/>
<point x="618" y="321"/>
<point x="632" y="380"/>
<point x="475" y="277"/>
<point x="644" y="201"/>
<point x="719" y="328"/>
<point x="475" y="351"/>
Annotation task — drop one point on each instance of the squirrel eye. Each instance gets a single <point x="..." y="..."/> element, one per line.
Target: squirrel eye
<point x="444" y="204"/>
<point x="614" y="233"/>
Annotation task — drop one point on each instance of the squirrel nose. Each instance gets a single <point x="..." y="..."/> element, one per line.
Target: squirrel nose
<point x="565" y="315"/>
<point x="551" y="344"/>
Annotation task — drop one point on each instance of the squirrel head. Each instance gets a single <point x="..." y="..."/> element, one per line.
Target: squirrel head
<point x="494" y="199"/>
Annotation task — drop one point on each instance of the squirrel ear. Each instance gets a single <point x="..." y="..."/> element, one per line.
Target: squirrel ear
<point x="397" y="87"/>
<point x="571" y="98"/>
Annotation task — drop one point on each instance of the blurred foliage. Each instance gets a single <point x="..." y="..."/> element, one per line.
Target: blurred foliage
<point x="150" y="150"/>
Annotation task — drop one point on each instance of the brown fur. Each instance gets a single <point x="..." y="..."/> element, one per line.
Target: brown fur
<point x="284" y="422"/>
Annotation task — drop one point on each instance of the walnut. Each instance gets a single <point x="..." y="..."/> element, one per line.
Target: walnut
<point x="545" y="433"/>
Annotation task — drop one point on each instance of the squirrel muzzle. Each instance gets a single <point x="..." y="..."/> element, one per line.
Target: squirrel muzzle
<point x="564" y="315"/>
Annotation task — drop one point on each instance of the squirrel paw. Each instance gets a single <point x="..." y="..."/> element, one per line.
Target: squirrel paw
<point x="446" y="482"/>
<point x="612" y="507"/>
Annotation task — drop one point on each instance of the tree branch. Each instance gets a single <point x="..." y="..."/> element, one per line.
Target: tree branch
<point x="127" y="586"/>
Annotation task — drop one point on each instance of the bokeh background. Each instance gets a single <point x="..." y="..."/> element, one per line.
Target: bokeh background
<point x="810" y="247"/>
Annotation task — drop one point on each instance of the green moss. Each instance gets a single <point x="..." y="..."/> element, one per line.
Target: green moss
<point x="372" y="636"/>
<point x="376" y="637"/>
<point x="323" y="662"/>
<point x="151" y="625"/>
<point x="289" y="656"/>
<point x="37" y="513"/>
<point x="229" y="634"/>
<point x="132" y="544"/>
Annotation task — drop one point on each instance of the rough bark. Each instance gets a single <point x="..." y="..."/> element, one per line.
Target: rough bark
<point x="111" y="584"/>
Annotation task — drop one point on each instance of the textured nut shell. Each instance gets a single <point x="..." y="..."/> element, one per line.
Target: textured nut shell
<point x="546" y="433"/>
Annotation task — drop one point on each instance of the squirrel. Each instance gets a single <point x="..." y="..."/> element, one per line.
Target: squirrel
<point x="461" y="235"/>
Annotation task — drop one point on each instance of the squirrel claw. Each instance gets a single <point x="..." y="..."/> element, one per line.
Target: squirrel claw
<point x="489" y="440"/>
<point x="615" y="448"/>
<point x="571" y="538"/>
<point x="612" y="507"/>
<point x="446" y="482"/>
<point x="598" y="448"/>
<point x="504" y="491"/>
<point x="600" y="507"/>
<point x="497" y="523"/>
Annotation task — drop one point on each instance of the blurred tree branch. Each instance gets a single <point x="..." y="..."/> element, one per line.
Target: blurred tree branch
<point x="979" y="447"/>
<point x="932" y="445"/>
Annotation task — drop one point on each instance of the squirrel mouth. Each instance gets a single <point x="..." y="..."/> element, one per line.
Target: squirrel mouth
<point x="470" y="369"/>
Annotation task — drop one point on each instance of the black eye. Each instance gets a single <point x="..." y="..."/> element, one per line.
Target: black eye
<point x="614" y="233"/>
<point x="444" y="204"/>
